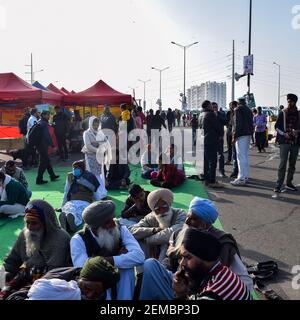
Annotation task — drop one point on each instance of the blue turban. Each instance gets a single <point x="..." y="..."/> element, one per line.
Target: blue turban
<point x="204" y="209"/>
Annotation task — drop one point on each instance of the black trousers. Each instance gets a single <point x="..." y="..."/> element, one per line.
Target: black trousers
<point x="29" y="152"/>
<point x="221" y="157"/>
<point x="210" y="162"/>
<point x="194" y="136"/>
<point x="260" y="138"/>
<point x="44" y="163"/>
<point x="235" y="162"/>
<point x="62" y="146"/>
<point x="229" y="145"/>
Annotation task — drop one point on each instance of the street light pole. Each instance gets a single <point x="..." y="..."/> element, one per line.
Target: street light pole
<point x="160" y="72"/>
<point x="184" y="70"/>
<point x="133" y="91"/>
<point x="279" y="82"/>
<point x="250" y="43"/>
<point x="32" y="73"/>
<point x="233" y="72"/>
<point x="144" y="82"/>
<point x="31" y="69"/>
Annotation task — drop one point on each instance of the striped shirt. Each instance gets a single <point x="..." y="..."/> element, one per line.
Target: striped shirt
<point x="223" y="284"/>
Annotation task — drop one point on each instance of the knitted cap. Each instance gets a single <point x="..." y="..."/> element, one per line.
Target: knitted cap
<point x="100" y="270"/>
<point x="98" y="212"/>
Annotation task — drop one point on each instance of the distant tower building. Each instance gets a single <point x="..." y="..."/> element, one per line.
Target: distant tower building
<point x="212" y="91"/>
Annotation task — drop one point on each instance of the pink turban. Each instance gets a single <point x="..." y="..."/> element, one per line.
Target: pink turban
<point x="161" y="194"/>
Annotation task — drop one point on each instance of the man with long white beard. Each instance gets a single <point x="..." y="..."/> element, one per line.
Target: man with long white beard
<point x="42" y="245"/>
<point x="103" y="236"/>
<point x="154" y="231"/>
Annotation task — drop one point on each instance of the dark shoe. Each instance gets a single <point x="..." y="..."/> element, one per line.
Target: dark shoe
<point x="71" y="223"/>
<point x="216" y="185"/>
<point x="291" y="187"/>
<point x="40" y="182"/>
<point x="63" y="220"/>
<point x="233" y="176"/>
<point x="54" y="178"/>
<point x="277" y="190"/>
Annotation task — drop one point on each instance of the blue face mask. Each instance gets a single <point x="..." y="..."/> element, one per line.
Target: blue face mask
<point x="76" y="173"/>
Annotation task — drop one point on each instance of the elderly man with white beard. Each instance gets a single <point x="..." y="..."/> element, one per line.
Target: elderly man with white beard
<point x="154" y="231"/>
<point x="41" y="245"/>
<point x="104" y="236"/>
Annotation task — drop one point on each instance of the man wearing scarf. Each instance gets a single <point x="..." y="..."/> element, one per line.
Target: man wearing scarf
<point x="154" y="231"/>
<point x="157" y="281"/>
<point x="14" y="197"/>
<point x="102" y="236"/>
<point x="288" y="137"/>
<point x="42" y="244"/>
<point x="81" y="190"/>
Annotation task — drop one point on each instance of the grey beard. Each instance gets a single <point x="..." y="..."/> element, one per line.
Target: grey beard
<point x="108" y="239"/>
<point x="165" y="221"/>
<point x="33" y="241"/>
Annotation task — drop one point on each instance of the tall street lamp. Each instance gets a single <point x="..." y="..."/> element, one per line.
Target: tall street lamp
<point x="133" y="90"/>
<point x="249" y="45"/>
<point x="184" y="69"/>
<point x="279" y="81"/>
<point x="32" y="72"/>
<point x="160" y="72"/>
<point x="144" y="82"/>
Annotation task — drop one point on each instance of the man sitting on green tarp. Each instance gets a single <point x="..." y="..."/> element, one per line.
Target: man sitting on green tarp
<point x="14" y="197"/>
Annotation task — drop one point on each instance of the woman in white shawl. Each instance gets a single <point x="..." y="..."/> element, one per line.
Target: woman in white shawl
<point x="94" y="138"/>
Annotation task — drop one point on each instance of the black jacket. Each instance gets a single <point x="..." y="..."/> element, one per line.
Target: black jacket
<point x="108" y="121"/>
<point x="157" y="122"/>
<point x="242" y="122"/>
<point x="170" y="117"/>
<point x="61" y="124"/>
<point x="229" y="121"/>
<point x="279" y="126"/>
<point x="211" y="126"/>
<point x="222" y="120"/>
<point x="46" y="140"/>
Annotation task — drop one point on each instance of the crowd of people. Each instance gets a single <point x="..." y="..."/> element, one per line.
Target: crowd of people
<point x="154" y="251"/>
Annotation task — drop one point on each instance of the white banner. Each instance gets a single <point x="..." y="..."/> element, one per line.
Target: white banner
<point x="248" y="64"/>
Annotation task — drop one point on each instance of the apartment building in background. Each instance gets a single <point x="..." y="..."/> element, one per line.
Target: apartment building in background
<point x="212" y="91"/>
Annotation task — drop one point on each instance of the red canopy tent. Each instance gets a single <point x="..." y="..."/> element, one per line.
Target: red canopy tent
<point x="16" y="92"/>
<point x="64" y="90"/>
<point x="54" y="89"/>
<point x="98" y="94"/>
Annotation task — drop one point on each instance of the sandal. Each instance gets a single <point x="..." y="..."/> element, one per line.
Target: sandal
<point x="263" y="267"/>
<point x="263" y="275"/>
<point x="268" y="293"/>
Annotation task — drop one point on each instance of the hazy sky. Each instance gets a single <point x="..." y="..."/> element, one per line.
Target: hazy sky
<point x="78" y="42"/>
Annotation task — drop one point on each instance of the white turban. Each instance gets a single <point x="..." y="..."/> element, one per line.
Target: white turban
<point x="54" y="289"/>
